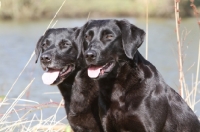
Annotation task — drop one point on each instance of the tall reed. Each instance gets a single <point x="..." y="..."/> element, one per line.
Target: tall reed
<point x="189" y="94"/>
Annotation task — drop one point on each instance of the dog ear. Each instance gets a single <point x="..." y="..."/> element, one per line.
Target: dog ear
<point x="79" y="39"/>
<point x="132" y="37"/>
<point x="78" y="45"/>
<point x="38" y="48"/>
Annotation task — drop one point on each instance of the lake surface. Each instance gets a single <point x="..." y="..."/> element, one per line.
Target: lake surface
<point x="18" y="40"/>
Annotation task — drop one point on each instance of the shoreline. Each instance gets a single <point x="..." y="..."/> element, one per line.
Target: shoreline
<point x="34" y="9"/>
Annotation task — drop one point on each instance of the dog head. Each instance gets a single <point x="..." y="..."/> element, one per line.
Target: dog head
<point x="106" y="42"/>
<point x="57" y="52"/>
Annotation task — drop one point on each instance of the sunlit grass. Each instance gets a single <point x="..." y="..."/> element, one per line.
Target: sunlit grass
<point x="23" y="123"/>
<point x="40" y="9"/>
<point x="188" y="93"/>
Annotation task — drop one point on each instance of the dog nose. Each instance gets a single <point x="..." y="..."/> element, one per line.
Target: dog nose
<point x="90" y="55"/>
<point x="46" y="58"/>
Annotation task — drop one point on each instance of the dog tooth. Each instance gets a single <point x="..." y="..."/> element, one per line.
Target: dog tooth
<point x="64" y="69"/>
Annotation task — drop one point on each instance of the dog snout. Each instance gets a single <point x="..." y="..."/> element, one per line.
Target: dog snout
<point x="90" y="55"/>
<point x="46" y="58"/>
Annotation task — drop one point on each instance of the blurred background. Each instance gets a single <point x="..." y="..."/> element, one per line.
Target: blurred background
<point x="45" y="9"/>
<point x="22" y="22"/>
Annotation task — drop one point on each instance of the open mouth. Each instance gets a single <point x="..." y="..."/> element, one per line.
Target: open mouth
<point x="55" y="76"/>
<point x="96" y="71"/>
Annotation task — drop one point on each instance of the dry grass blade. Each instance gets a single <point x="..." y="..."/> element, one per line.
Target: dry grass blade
<point x="17" y="79"/>
<point x="54" y="24"/>
<point x="56" y="14"/>
<point x="197" y="74"/>
<point x="54" y="117"/>
<point x="3" y="118"/>
<point x="180" y="61"/>
<point x="88" y="16"/>
<point x="14" y="103"/>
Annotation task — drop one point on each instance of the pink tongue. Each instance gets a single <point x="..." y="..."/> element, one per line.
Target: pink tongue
<point x="93" y="72"/>
<point x="49" y="77"/>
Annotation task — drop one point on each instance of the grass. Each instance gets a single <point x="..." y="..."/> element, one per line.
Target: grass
<point x="188" y="93"/>
<point x="50" y="124"/>
<point x="180" y="58"/>
<point x="40" y="9"/>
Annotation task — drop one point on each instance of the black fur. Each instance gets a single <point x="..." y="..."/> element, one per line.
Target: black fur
<point x="80" y="95"/>
<point x="133" y="95"/>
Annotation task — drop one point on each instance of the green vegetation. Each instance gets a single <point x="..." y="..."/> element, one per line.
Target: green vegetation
<point x="45" y="9"/>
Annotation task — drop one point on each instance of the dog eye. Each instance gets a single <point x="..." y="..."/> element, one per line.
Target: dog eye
<point x="43" y="45"/>
<point x="46" y="44"/>
<point x="109" y="36"/>
<point x="88" y="37"/>
<point x="64" y="43"/>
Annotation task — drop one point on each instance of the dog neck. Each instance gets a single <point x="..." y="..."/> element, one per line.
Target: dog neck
<point x="66" y="88"/>
<point x="81" y="62"/>
<point x="135" y="70"/>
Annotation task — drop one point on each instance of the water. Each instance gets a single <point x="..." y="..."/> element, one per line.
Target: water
<point x="18" y="40"/>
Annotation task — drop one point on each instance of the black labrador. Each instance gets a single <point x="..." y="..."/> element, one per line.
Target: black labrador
<point x="133" y="95"/>
<point x="61" y="60"/>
